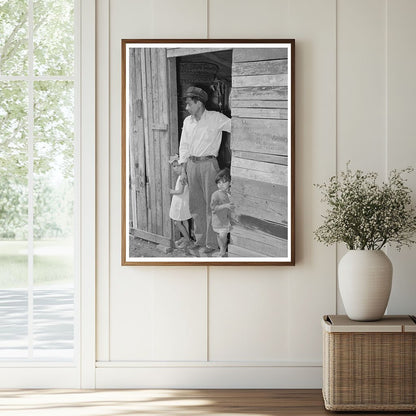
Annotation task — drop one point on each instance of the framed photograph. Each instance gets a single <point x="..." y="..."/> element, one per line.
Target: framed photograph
<point x="208" y="136"/>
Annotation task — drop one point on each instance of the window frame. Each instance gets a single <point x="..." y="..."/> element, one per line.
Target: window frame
<point x="81" y="371"/>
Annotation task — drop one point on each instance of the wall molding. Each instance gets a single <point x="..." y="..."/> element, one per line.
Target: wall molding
<point x="204" y="364"/>
<point x="207" y="377"/>
<point x="30" y="377"/>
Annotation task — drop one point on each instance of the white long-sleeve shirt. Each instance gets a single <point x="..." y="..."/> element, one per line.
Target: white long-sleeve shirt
<point x="203" y="137"/>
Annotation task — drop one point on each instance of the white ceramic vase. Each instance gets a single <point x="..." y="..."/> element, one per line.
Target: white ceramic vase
<point x="364" y="278"/>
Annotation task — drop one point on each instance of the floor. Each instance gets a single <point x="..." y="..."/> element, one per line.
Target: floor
<point x="165" y="402"/>
<point x="141" y="248"/>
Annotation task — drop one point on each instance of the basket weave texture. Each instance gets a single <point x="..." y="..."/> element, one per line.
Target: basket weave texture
<point x="369" y="371"/>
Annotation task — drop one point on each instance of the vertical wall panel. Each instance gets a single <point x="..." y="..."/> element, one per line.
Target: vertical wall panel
<point x="361" y="84"/>
<point x="160" y="317"/>
<point x="180" y="308"/>
<point x="260" y="19"/>
<point x="361" y="89"/>
<point x="248" y="315"/>
<point x="131" y="315"/>
<point x="178" y="19"/>
<point x="401" y="140"/>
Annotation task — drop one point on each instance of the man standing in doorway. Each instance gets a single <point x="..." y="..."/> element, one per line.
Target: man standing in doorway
<point x="198" y="151"/>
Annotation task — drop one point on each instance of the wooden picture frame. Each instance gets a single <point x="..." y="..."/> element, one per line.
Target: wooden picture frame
<point x="253" y="83"/>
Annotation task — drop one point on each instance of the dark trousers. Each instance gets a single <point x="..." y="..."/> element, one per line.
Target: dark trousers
<point x="201" y="179"/>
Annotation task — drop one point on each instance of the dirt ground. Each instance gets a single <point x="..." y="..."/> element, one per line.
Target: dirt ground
<point x="143" y="248"/>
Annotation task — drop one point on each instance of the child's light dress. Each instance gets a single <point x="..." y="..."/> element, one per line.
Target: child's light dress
<point x="179" y="207"/>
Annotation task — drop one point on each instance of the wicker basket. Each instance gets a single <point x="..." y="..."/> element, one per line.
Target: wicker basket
<point x="369" y="366"/>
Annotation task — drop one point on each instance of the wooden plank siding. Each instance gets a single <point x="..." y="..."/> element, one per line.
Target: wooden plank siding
<point x="259" y="93"/>
<point x="173" y="121"/>
<point x="260" y="80"/>
<point x="161" y="137"/>
<point x="260" y="208"/>
<point x="259" y="144"/>
<point x="177" y="52"/>
<point x="237" y="251"/>
<point x="150" y="145"/>
<point x="262" y="171"/>
<point x="146" y="137"/>
<point x="280" y="160"/>
<point x="275" y="113"/>
<point x="259" y="241"/>
<point x="258" y="54"/>
<point x="267" y="136"/>
<point x="261" y="104"/>
<point x="138" y="209"/>
<point x="263" y="190"/>
<point x="257" y="68"/>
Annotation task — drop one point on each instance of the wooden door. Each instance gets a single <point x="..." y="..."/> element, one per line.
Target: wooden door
<point x="152" y="140"/>
<point x="259" y="144"/>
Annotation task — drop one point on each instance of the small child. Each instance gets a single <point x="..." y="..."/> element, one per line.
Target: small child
<point x="221" y="210"/>
<point x="179" y="207"/>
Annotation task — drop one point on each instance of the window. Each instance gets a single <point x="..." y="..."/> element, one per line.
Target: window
<point x="38" y="185"/>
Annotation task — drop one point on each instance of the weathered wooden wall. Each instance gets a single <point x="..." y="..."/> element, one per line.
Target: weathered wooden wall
<point x="259" y="144"/>
<point x="150" y="144"/>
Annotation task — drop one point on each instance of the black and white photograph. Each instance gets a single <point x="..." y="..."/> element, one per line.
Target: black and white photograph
<point x="208" y="152"/>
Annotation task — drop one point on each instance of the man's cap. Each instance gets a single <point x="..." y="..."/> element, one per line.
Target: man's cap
<point x="196" y="92"/>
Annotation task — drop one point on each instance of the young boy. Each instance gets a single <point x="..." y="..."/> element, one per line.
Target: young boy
<point x="221" y="210"/>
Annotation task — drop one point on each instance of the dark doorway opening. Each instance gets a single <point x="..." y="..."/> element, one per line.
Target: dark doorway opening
<point x="211" y="72"/>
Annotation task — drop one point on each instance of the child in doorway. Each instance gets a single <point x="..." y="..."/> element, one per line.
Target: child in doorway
<point x="179" y="207"/>
<point x="221" y="210"/>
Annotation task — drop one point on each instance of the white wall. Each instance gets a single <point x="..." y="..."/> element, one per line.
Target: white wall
<point x="254" y="326"/>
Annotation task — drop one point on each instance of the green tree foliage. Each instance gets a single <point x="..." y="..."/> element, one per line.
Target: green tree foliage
<point x="13" y="129"/>
<point x="53" y="118"/>
<point x="13" y="159"/>
<point x="13" y="37"/>
<point x="54" y="127"/>
<point x="13" y="208"/>
<point x="53" y="37"/>
<point x="53" y="209"/>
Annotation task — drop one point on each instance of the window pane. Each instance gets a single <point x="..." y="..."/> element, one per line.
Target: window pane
<point x="13" y="162"/>
<point x="14" y="322"/>
<point x="13" y="219"/>
<point x="53" y="178"/>
<point x="53" y="197"/>
<point x="53" y="37"/>
<point x="53" y="319"/>
<point x="13" y="37"/>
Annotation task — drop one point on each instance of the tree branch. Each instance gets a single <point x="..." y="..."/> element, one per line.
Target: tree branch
<point x="6" y="53"/>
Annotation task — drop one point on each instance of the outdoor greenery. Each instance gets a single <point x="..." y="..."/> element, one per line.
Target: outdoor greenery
<point x="53" y="37"/>
<point x="53" y="119"/>
<point x="13" y="37"/>
<point x="364" y="214"/>
<point x="52" y="263"/>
